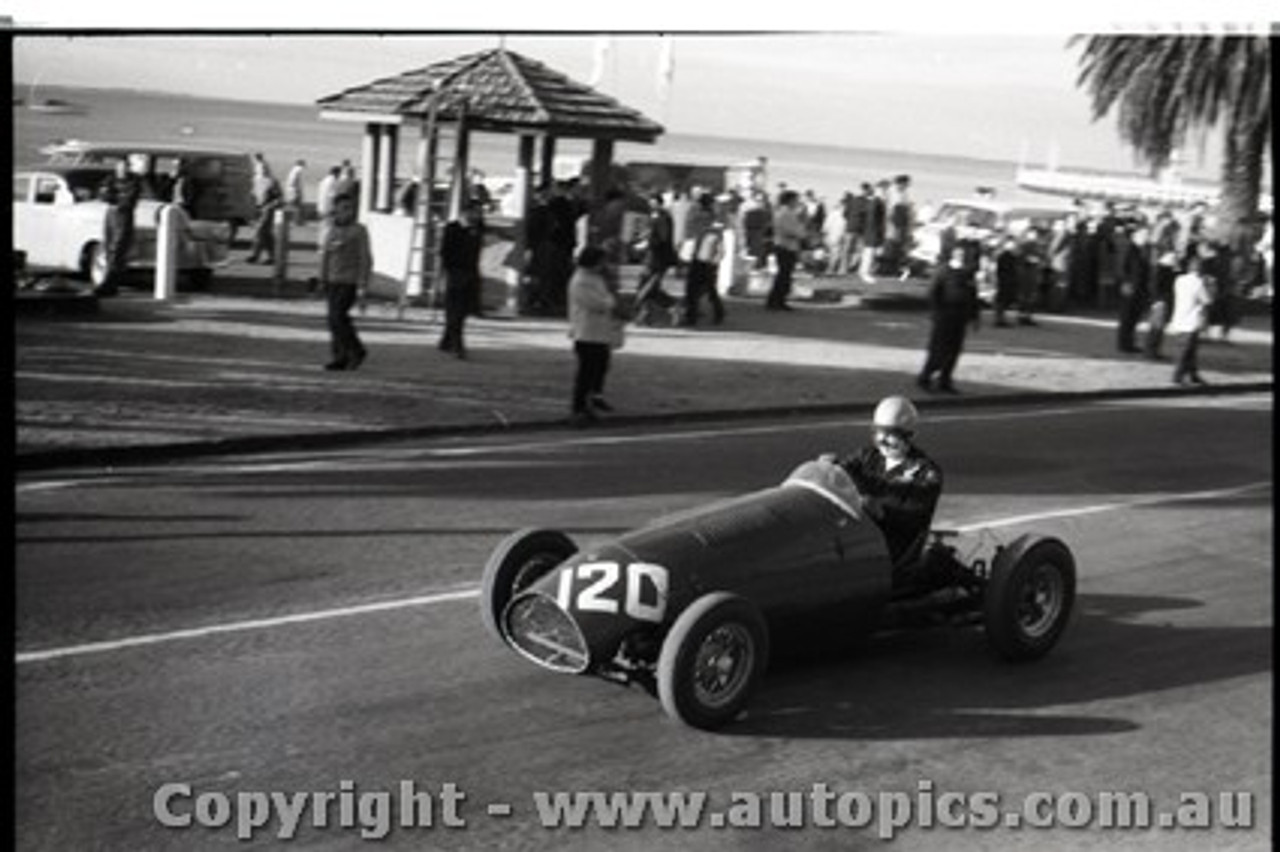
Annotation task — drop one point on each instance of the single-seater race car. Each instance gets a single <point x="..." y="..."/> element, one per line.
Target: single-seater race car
<point x="688" y="606"/>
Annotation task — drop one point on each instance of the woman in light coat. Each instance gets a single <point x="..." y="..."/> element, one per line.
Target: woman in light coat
<point x="593" y="327"/>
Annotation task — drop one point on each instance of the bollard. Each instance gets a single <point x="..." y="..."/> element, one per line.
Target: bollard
<point x="280" y="271"/>
<point x="166" y="253"/>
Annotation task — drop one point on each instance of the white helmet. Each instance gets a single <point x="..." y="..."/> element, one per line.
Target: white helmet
<point x="895" y="412"/>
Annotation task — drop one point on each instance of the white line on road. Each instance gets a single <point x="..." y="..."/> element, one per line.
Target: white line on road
<point x="241" y="626"/>
<point x="1077" y="511"/>
<point x="469" y="593"/>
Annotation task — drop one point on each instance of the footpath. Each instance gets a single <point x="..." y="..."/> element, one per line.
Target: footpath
<point x="237" y="368"/>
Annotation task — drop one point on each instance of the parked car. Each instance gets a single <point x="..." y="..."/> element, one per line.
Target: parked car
<point x="981" y="220"/>
<point x="688" y="606"/>
<point x="59" y="222"/>
<point x="221" y="182"/>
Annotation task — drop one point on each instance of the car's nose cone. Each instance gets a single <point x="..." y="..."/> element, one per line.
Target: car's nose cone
<point x="542" y="631"/>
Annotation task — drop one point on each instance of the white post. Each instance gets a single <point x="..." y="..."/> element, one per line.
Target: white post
<point x="369" y="167"/>
<point x="726" y="274"/>
<point x="166" y="254"/>
<point x="280" y="227"/>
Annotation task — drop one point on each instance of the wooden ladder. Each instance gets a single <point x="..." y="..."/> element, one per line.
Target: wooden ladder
<point x="431" y="212"/>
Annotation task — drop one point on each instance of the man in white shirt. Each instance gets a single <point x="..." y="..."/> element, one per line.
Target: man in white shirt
<point x="1191" y="300"/>
<point x="293" y="195"/>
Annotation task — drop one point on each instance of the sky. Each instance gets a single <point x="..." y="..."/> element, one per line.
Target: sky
<point x="988" y="88"/>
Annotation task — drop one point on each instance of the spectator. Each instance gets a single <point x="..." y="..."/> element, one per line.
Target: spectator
<point x="1059" y="266"/>
<point x="873" y="235"/>
<point x="293" y="194"/>
<point x="901" y="218"/>
<point x="120" y="191"/>
<point x="346" y="265"/>
<point x="1191" y="300"/>
<point x="1221" y="269"/>
<point x="660" y="255"/>
<point x="347" y="183"/>
<point x="681" y="206"/>
<point x="788" y="239"/>
<point x="954" y="300"/>
<point x="592" y="327"/>
<point x="756" y="218"/>
<point x="815" y="218"/>
<point x="1135" y="287"/>
<point x="185" y="190"/>
<point x="1031" y="273"/>
<point x="852" y="209"/>
<point x="704" y="264"/>
<point x="267" y="195"/>
<point x="1008" y="273"/>
<point x="460" y="259"/>
<point x="1162" y="280"/>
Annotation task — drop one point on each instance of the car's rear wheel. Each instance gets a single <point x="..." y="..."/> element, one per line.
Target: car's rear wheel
<point x="519" y="561"/>
<point x="95" y="264"/>
<point x="711" y="660"/>
<point x="1029" y="597"/>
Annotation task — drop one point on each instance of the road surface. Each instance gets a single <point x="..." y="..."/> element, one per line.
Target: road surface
<point x="191" y="638"/>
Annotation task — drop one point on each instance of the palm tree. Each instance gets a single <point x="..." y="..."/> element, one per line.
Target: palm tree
<point x="1166" y="86"/>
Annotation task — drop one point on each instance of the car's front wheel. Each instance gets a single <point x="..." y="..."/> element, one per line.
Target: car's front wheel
<point x="520" y="560"/>
<point x="1028" y="598"/>
<point x="711" y="660"/>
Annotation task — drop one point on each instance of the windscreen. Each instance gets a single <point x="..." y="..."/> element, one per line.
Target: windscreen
<point x="829" y="480"/>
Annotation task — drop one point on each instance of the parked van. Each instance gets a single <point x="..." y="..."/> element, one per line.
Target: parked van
<point x="221" y="181"/>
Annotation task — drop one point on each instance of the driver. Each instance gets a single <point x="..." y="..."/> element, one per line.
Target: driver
<point x="899" y="482"/>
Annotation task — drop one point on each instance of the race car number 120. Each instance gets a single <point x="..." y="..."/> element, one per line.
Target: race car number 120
<point x="639" y="589"/>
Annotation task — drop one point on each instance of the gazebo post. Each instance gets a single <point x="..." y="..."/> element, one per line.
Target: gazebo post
<point x="384" y="196"/>
<point x="547" y="168"/>
<point x="523" y="189"/>
<point x="368" y="165"/>
<point x="601" y="158"/>
<point x="458" y="195"/>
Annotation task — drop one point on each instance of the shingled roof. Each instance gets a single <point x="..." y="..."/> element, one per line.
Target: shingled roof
<point x="504" y="93"/>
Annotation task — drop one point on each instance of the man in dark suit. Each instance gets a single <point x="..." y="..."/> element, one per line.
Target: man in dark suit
<point x="954" y="299"/>
<point x="460" y="260"/>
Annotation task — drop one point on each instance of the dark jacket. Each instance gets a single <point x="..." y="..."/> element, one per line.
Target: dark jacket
<point x="460" y="248"/>
<point x="953" y="293"/>
<point x="904" y="497"/>
<point x="121" y="192"/>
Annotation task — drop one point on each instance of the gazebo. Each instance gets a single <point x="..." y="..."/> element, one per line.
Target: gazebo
<point x="492" y="91"/>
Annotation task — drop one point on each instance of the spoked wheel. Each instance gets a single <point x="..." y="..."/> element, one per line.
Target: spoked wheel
<point x="711" y="660"/>
<point x="1029" y="598"/>
<point x="518" y="562"/>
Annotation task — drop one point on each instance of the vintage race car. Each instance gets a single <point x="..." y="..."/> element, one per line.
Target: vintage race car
<point x="689" y="605"/>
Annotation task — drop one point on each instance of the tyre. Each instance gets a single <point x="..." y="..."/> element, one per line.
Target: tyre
<point x="711" y="660"/>
<point x="1029" y="597"/>
<point x="95" y="265"/>
<point x="520" y="560"/>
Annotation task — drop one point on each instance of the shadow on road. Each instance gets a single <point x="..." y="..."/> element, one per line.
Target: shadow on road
<point x="944" y="683"/>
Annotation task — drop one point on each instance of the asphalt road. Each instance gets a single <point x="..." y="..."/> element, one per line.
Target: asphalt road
<point x="307" y="624"/>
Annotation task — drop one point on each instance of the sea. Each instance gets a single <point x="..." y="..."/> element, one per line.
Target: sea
<point x="284" y="133"/>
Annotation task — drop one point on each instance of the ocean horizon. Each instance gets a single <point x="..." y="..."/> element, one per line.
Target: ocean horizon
<point x="285" y="132"/>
